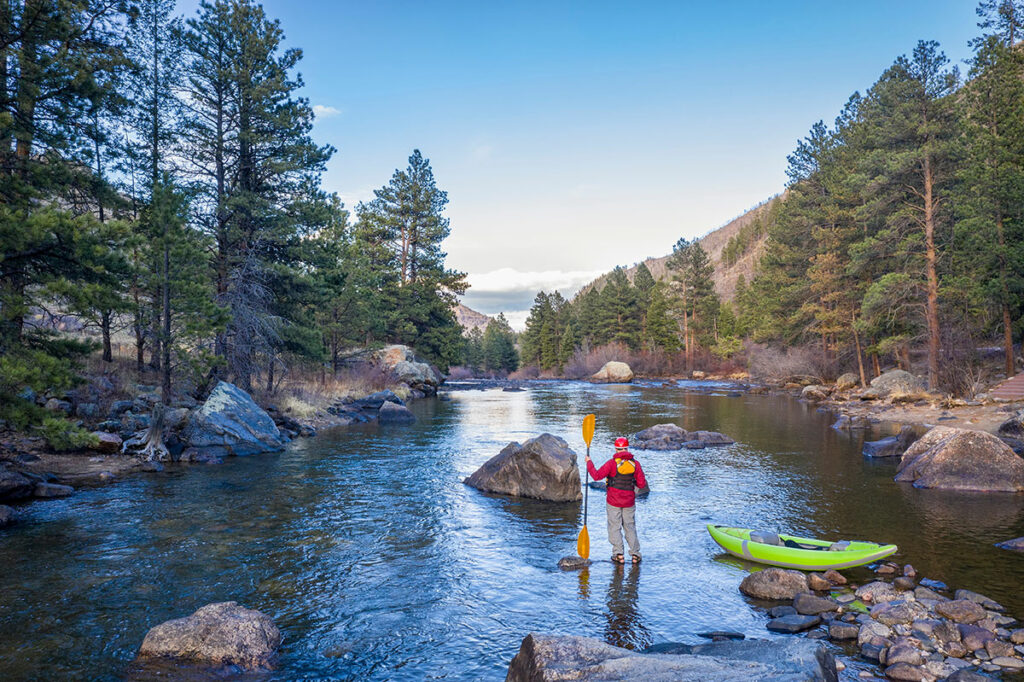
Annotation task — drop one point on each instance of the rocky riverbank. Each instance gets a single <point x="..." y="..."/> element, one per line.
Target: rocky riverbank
<point x="914" y="628"/>
<point x="135" y="432"/>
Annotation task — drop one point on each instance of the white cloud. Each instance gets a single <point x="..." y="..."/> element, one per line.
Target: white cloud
<point x="517" y="319"/>
<point x="507" y="280"/>
<point x="512" y="291"/>
<point x="324" y="111"/>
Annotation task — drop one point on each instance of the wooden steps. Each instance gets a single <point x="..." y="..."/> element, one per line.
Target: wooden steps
<point x="1011" y="389"/>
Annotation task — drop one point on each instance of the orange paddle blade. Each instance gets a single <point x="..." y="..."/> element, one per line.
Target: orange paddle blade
<point x="588" y="429"/>
<point x="583" y="544"/>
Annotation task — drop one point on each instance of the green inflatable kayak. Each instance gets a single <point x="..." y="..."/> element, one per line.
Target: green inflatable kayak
<point x="805" y="554"/>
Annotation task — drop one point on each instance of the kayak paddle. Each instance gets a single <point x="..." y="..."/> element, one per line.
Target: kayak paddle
<point x="583" y="541"/>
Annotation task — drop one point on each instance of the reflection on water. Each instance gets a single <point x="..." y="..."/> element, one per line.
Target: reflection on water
<point x="625" y="624"/>
<point x="378" y="563"/>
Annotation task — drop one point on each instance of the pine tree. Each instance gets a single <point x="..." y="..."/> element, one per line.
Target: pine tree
<point x="662" y="330"/>
<point x="909" y="122"/>
<point x="253" y="160"/>
<point x="990" y="195"/>
<point x="499" y="348"/>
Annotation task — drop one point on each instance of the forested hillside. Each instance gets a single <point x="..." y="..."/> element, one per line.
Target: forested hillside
<point x="159" y="179"/>
<point x="900" y="238"/>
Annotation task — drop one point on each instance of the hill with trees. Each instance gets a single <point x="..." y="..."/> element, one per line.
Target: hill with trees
<point x="899" y="240"/>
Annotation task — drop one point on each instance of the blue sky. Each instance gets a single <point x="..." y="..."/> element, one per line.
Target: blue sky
<point x="573" y="137"/>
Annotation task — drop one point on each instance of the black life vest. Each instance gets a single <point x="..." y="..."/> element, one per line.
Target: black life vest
<point x="624" y="476"/>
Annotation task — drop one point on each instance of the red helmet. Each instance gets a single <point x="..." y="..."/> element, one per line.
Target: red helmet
<point x="622" y="442"/>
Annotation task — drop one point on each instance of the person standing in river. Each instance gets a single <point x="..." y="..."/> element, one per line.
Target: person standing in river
<point x="623" y="474"/>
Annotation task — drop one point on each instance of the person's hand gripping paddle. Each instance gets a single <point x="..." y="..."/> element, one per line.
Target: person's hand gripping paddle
<point x="583" y="541"/>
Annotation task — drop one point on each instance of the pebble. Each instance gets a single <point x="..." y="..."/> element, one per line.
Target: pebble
<point x="903" y="583"/>
<point x="1008" y="662"/>
<point x="1017" y="636"/>
<point x="909" y="571"/>
<point x="816" y="581"/>
<point x="835" y="577"/>
<point x="780" y="611"/>
<point x="934" y="584"/>
<point x="843" y="631"/>
<point x="886" y="569"/>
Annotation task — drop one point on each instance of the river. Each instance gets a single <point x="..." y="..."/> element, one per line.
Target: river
<point x="377" y="563"/>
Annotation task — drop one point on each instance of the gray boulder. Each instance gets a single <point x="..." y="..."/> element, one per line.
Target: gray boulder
<point x="891" y="446"/>
<point x="660" y="437"/>
<point x="613" y="373"/>
<point x="672" y="437"/>
<point x="46" y="491"/>
<point x="14" y="486"/>
<point x="109" y="443"/>
<point x="217" y="634"/>
<point x="375" y="401"/>
<point x="7" y="516"/>
<point x="407" y="367"/>
<point x="231" y="423"/>
<point x="895" y="382"/>
<point x="390" y="413"/>
<point x="774" y="583"/>
<point x="815" y="393"/>
<point x="543" y="658"/>
<point x="573" y="563"/>
<point x="961" y="459"/>
<point x="543" y="468"/>
<point x="847" y="381"/>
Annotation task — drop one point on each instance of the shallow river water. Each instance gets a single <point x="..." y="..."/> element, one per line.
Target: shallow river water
<point x="377" y="563"/>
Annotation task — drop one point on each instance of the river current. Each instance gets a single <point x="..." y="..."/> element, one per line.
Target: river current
<point x="377" y="563"/>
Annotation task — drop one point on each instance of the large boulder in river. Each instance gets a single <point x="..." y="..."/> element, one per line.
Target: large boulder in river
<point x="895" y="382"/>
<point x="217" y="634"/>
<point x="613" y="373"/>
<point x="407" y="367"/>
<point x="568" y="657"/>
<point x="961" y="459"/>
<point x="672" y="437"/>
<point x="660" y="437"/>
<point x="543" y="468"/>
<point x="231" y="423"/>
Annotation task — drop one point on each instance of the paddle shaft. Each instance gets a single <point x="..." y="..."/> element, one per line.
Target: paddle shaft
<point x="586" y="487"/>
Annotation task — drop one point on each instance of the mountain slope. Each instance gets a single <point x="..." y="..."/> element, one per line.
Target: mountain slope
<point x="471" y="319"/>
<point x="748" y="235"/>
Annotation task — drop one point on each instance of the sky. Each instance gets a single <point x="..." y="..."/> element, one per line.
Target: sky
<point x="572" y="137"/>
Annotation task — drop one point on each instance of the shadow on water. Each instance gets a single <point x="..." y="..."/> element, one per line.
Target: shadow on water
<point x="377" y="562"/>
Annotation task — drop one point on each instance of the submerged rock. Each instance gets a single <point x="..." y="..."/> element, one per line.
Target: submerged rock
<point x="961" y="459"/>
<point x="550" y="657"/>
<point x="231" y="423"/>
<point x="892" y="446"/>
<point x="217" y="634"/>
<point x="45" y="490"/>
<point x="1015" y="545"/>
<point x="6" y="516"/>
<point x="543" y="468"/>
<point x="613" y="373"/>
<point x="573" y="563"/>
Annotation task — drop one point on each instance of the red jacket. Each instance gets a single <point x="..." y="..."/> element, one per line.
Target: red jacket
<point x="616" y="497"/>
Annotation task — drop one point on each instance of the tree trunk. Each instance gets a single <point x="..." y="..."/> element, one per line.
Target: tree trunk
<point x="860" y="355"/>
<point x="1010" y="365"/>
<point x="875" y="364"/>
<point x="270" y="376"/>
<point x="165" y="388"/>
<point x="108" y="355"/>
<point x="932" y="307"/>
